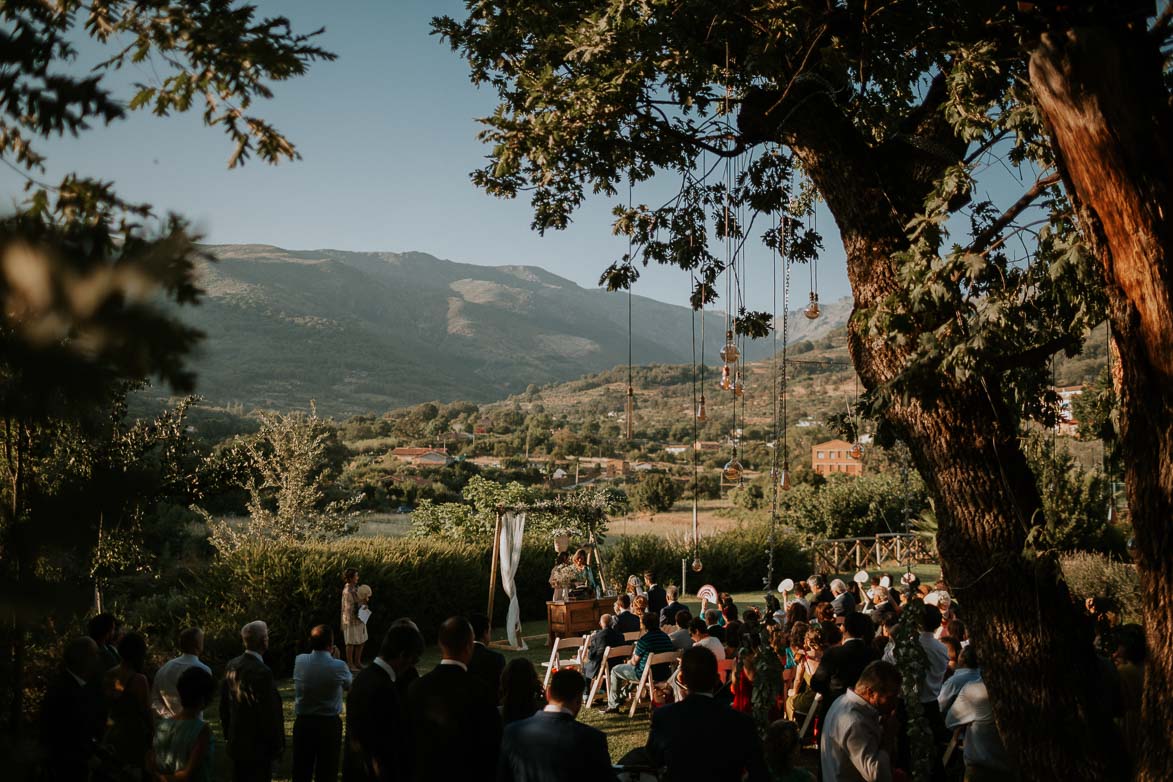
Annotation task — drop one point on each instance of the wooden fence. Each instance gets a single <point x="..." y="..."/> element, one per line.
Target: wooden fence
<point x="843" y="555"/>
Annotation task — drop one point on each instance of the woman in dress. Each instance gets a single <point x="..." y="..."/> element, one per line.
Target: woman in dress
<point x="183" y="744"/>
<point x="521" y="691"/>
<point x="801" y="697"/>
<point x="634" y="587"/>
<point x="128" y="701"/>
<point x="353" y="630"/>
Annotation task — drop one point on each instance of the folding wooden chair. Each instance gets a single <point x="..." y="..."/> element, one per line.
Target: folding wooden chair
<point x="958" y="733"/>
<point x="645" y="681"/>
<point x="810" y="716"/>
<point x="725" y="669"/>
<point x="633" y="635"/>
<point x="603" y="677"/>
<point x="564" y="645"/>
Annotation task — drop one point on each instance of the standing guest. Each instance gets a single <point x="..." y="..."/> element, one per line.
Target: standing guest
<point x="956" y="629"/>
<point x="796" y="613"/>
<point x="681" y="638"/>
<point x="716" y="629"/>
<point x="605" y="636"/>
<point x="485" y="664"/>
<point x="625" y="620"/>
<point x="454" y="725"/>
<point x="781" y="750"/>
<point x="842" y="601"/>
<point x="183" y="743"/>
<point x="678" y="727"/>
<point x="774" y="610"/>
<point x="699" y="633"/>
<point x="405" y="678"/>
<point x="72" y="713"/>
<point x="853" y="739"/>
<point x="165" y="692"/>
<point x="653" y="641"/>
<point x="319" y="678"/>
<point x="967" y="671"/>
<point x="250" y="709"/>
<point x="104" y="628"/>
<point x="634" y="587"/>
<point x="668" y="612"/>
<point x="354" y="630"/>
<point x="985" y="756"/>
<point x="802" y="595"/>
<point x="953" y="649"/>
<point x="552" y="745"/>
<point x="819" y="591"/>
<point x="128" y="704"/>
<point x="375" y="751"/>
<point x="657" y="597"/>
<point x="841" y="665"/>
<point x="937" y="664"/>
<point x="521" y="691"/>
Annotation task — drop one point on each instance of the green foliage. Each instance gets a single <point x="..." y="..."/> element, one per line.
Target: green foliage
<point x="912" y="661"/>
<point x="1097" y="575"/>
<point x="847" y="507"/>
<point x="655" y="492"/>
<point x="1075" y="501"/>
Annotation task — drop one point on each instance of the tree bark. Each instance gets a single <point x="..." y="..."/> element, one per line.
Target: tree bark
<point x="1102" y="95"/>
<point x="1037" y="655"/>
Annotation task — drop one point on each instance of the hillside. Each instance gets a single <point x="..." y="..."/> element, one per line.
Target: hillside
<point x="368" y="332"/>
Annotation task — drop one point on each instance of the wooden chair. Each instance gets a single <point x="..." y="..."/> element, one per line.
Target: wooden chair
<point x="810" y="716"/>
<point x="633" y="635"/>
<point x="577" y="644"/>
<point x="954" y="742"/>
<point x="645" y="681"/>
<point x="725" y="669"/>
<point x="603" y="677"/>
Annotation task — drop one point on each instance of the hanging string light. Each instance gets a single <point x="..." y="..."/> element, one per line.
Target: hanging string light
<point x="784" y="479"/>
<point x="812" y="309"/>
<point x="698" y="419"/>
<point x="630" y="388"/>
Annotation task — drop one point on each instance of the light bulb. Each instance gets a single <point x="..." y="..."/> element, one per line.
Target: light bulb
<point x="630" y="412"/>
<point x="730" y="353"/>
<point x="732" y="471"/>
<point x="738" y="387"/>
<point x="857" y="451"/>
<point x="812" y="309"/>
<point x="726" y="383"/>
<point x="696" y="565"/>
<point x="700" y="410"/>
<point x="784" y="483"/>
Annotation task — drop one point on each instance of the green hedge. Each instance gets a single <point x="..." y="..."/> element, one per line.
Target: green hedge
<point x="294" y="588"/>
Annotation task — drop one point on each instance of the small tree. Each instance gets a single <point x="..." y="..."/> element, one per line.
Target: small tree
<point x="656" y="493"/>
<point x="286" y="486"/>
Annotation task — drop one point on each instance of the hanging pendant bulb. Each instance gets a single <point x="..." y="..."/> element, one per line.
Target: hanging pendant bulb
<point x="726" y="382"/>
<point x="738" y="387"/>
<point x="732" y="471"/>
<point x="630" y="412"/>
<point x="701" y="414"/>
<point x="696" y="565"/>
<point x="784" y="481"/>
<point x="857" y="451"/>
<point x="812" y="309"/>
<point x="730" y="353"/>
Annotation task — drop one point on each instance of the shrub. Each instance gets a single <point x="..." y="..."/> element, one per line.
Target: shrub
<point x="656" y="492"/>
<point x="1096" y="575"/>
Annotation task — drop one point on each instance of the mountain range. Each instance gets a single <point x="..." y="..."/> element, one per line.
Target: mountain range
<point x="368" y="332"/>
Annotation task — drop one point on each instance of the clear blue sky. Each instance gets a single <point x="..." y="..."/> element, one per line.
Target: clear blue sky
<point x="388" y="137"/>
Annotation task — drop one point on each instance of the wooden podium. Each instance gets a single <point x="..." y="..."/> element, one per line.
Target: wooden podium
<point x="575" y="617"/>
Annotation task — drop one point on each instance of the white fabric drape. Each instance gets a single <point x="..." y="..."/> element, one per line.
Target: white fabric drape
<point x="512" y="526"/>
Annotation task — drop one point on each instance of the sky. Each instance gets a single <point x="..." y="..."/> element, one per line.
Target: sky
<point x="387" y="134"/>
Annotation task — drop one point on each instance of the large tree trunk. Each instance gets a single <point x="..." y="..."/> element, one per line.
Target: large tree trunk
<point x="1037" y="657"/>
<point x="1103" y="97"/>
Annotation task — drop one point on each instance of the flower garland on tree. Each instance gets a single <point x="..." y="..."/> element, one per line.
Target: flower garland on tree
<point x="912" y="662"/>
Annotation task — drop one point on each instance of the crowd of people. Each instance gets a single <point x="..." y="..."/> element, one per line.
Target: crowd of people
<point x="475" y="716"/>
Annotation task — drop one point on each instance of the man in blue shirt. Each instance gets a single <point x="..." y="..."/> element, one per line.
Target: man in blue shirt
<point x="318" y="681"/>
<point x="653" y="641"/>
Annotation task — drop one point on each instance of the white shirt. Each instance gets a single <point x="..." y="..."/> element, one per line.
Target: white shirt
<point x="852" y="742"/>
<point x="463" y="667"/>
<point x="554" y="708"/>
<point x="318" y="681"/>
<point x="165" y="692"/>
<point x="937" y="656"/>
<point x="953" y="685"/>
<point x="713" y="645"/>
<point x="983" y="745"/>
<point x="379" y="661"/>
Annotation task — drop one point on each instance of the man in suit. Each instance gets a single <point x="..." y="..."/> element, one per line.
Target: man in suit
<point x="657" y="598"/>
<point x="72" y="713"/>
<point x="841" y="665"/>
<point x="407" y="677"/>
<point x="713" y="621"/>
<point x="552" y="745"/>
<point x="605" y="636"/>
<point x="668" y="612"/>
<point x="485" y="664"/>
<point x="677" y="727"/>
<point x="375" y="725"/>
<point x="625" y="621"/>
<point x="250" y="709"/>
<point x="452" y="717"/>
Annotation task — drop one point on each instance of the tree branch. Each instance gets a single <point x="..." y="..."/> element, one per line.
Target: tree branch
<point x="1036" y="354"/>
<point x="666" y="125"/>
<point x="982" y="241"/>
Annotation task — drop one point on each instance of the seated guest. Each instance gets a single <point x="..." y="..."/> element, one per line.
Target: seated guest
<point x="183" y="743"/>
<point x="841" y="665"/>
<point x="678" y="727"/>
<point x="453" y="724"/>
<point x="824" y="614"/>
<point x="319" y="679"/>
<point x="485" y="664"/>
<point x="605" y="636"/>
<point x="966" y="672"/>
<point x="956" y="629"/>
<point x="521" y="691"/>
<point x="72" y="713"/>
<point x="165" y="692"/>
<point x="682" y="637"/>
<point x="852" y="743"/>
<point x="639" y="605"/>
<point x="842" y="601"/>
<point x="716" y="629"/>
<point x="819" y="591"/>
<point x="699" y="634"/>
<point x="653" y="641"/>
<point x="801" y="696"/>
<point x="625" y="620"/>
<point x="796" y="612"/>
<point x="774" y="610"/>
<point x="552" y="745"/>
<point x="781" y="750"/>
<point x="733" y="632"/>
<point x="669" y="612"/>
<point x="985" y="756"/>
<point x="374" y="710"/>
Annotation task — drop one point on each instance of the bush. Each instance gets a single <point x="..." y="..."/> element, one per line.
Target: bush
<point x="1096" y="575"/>
<point x="656" y="492"/>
